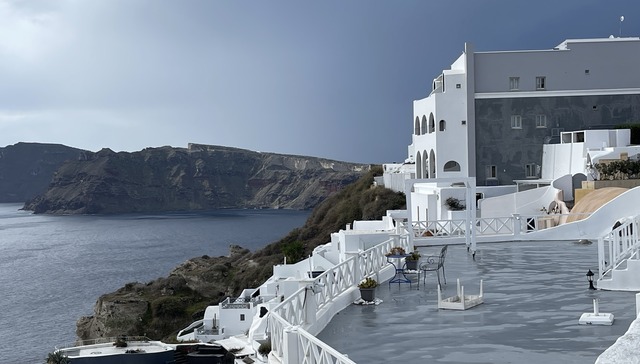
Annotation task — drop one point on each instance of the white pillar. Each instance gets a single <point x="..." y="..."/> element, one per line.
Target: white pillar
<point x="310" y="306"/>
<point x="290" y="351"/>
<point x="637" y="304"/>
<point x="517" y="225"/>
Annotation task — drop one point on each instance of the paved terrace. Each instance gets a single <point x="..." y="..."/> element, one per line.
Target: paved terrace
<point x="534" y="294"/>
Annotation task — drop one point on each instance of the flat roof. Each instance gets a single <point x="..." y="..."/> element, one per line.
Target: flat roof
<point x="534" y="294"/>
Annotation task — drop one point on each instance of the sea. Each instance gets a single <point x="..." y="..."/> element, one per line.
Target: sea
<point x="54" y="268"/>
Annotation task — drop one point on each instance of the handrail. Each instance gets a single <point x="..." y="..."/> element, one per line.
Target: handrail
<point x="618" y="245"/>
<point x="290" y="314"/>
<point x="507" y="225"/>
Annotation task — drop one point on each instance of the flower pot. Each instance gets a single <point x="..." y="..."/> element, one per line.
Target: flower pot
<point x="411" y="264"/>
<point x="368" y="294"/>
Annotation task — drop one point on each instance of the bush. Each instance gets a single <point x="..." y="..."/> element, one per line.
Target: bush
<point x="293" y="251"/>
<point x="265" y="348"/>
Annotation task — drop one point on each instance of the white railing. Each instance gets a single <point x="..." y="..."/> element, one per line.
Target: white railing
<point x="313" y="350"/>
<point x="290" y="315"/>
<point x="511" y="225"/>
<point x="299" y="346"/>
<point x="334" y="281"/>
<point x="618" y="245"/>
<point x="497" y="225"/>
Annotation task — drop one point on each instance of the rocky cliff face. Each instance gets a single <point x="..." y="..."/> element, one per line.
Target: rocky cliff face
<point x="26" y="168"/>
<point x="197" y="178"/>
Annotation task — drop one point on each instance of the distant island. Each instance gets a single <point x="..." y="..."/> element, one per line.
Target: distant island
<point x="56" y="179"/>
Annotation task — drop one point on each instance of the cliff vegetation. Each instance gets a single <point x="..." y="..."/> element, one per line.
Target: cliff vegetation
<point x="158" y="309"/>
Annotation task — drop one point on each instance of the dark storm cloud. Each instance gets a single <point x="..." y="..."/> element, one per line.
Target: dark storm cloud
<point x="331" y="79"/>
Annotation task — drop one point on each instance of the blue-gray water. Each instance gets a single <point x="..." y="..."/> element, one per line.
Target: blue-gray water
<point x="53" y="268"/>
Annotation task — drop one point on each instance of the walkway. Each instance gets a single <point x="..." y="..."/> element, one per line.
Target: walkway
<point x="535" y="293"/>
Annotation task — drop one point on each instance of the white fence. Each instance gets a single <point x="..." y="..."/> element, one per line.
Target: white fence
<point x="618" y="245"/>
<point x="512" y="225"/>
<point x="290" y="342"/>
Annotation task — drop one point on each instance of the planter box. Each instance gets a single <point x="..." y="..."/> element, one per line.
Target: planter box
<point x="411" y="264"/>
<point x="368" y="294"/>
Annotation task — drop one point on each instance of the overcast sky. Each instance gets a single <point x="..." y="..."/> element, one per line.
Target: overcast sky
<point x="332" y="78"/>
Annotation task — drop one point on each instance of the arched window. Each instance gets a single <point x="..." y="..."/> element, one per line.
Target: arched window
<point x="425" y="165"/>
<point x="443" y="125"/>
<point x="452" y="166"/>
<point x="418" y="166"/>
<point x="432" y="123"/>
<point x="424" y="125"/>
<point x="432" y="164"/>
<point x="416" y="128"/>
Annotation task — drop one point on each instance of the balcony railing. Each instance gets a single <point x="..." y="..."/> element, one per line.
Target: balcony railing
<point x="290" y="342"/>
<point x="618" y="245"/>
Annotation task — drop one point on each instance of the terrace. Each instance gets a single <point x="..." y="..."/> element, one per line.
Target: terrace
<point x="534" y="294"/>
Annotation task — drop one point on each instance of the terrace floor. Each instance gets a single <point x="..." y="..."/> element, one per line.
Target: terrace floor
<point x="534" y="294"/>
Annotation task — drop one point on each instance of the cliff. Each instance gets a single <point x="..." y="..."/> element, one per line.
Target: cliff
<point x="200" y="177"/>
<point x="160" y="308"/>
<point x="26" y="168"/>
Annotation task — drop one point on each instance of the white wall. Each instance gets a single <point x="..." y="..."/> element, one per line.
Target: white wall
<point x="562" y="159"/>
<point x="528" y="202"/>
<point x="450" y="106"/>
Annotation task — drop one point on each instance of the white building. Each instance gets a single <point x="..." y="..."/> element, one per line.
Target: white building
<point x="490" y="113"/>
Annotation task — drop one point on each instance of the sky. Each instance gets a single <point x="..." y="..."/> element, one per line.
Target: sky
<point x="333" y="79"/>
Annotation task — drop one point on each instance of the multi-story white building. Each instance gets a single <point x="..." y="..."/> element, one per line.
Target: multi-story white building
<point x="490" y="113"/>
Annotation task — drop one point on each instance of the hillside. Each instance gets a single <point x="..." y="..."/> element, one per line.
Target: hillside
<point x="158" y="309"/>
<point x="200" y="177"/>
<point x="26" y="168"/>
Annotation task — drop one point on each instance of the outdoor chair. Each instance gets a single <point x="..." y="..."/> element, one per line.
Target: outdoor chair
<point x="434" y="263"/>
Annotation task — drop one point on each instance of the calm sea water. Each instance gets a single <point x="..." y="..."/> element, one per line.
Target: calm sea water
<point x="53" y="268"/>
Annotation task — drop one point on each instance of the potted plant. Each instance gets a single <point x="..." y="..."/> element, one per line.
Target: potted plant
<point x="412" y="260"/>
<point x="396" y="250"/>
<point x="368" y="289"/>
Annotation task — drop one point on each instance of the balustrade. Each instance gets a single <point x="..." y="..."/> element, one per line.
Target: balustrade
<point x="288" y="318"/>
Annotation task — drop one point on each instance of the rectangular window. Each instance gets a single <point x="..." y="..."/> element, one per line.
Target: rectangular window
<point x="492" y="172"/>
<point x="541" y="121"/>
<point x="531" y="170"/>
<point x="516" y="122"/>
<point x="514" y="83"/>
<point x="242" y="317"/>
<point x="541" y="83"/>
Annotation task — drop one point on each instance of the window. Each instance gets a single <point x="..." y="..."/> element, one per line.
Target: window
<point x="516" y="122"/>
<point x="514" y="83"/>
<point x="242" y="317"/>
<point x="452" y="166"/>
<point x="443" y="125"/>
<point x="432" y="124"/>
<point x="491" y="172"/>
<point x="541" y="83"/>
<point x="541" y="121"/>
<point x="531" y="170"/>
<point x="458" y="85"/>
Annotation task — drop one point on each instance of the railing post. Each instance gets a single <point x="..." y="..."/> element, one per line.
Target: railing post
<point x="601" y="257"/>
<point x="290" y="348"/>
<point x="637" y="304"/>
<point x="517" y="224"/>
<point x="310" y="305"/>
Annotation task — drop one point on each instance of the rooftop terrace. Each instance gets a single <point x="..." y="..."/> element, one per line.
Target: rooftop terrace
<point x="534" y="294"/>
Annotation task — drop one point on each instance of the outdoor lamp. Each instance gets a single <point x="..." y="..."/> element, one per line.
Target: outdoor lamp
<point x="590" y="279"/>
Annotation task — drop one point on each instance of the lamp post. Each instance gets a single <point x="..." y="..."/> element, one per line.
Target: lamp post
<point x="590" y="279"/>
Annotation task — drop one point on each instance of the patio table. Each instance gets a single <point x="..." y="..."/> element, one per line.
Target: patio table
<point x="400" y="277"/>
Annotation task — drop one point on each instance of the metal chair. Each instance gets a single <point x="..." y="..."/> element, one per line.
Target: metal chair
<point x="434" y="263"/>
